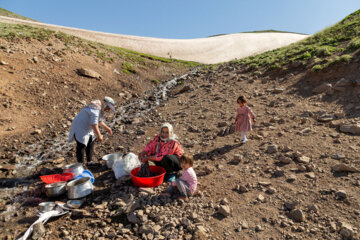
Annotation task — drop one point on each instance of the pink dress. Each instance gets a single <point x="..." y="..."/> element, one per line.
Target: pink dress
<point x="243" y="121"/>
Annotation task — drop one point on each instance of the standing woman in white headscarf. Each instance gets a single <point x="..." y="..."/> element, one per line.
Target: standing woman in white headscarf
<point x="165" y="151"/>
<point x="85" y="127"/>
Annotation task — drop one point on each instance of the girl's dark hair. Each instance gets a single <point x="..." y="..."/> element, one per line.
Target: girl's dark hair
<point x="242" y="99"/>
<point x="187" y="158"/>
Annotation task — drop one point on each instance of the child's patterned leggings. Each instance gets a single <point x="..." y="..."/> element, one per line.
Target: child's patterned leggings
<point x="182" y="187"/>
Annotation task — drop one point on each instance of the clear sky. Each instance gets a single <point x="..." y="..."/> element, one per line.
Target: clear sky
<point x="186" y="18"/>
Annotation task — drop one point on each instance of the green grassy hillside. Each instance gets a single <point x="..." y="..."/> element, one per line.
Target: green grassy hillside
<point x="336" y="44"/>
<point x="6" y="13"/>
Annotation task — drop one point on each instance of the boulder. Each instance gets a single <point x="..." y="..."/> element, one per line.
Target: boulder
<point x="343" y="83"/>
<point x="341" y="167"/>
<point x="89" y="73"/>
<point x="325" y="87"/>
<point x="350" y="128"/>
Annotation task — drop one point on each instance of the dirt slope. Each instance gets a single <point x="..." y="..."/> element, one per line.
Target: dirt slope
<point x="279" y="185"/>
<point x="40" y="85"/>
<point x="204" y="50"/>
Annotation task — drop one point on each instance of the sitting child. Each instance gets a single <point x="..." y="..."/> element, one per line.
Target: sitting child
<point x="184" y="186"/>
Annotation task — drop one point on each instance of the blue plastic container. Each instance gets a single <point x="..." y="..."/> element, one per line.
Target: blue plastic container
<point x="86" y="173"/>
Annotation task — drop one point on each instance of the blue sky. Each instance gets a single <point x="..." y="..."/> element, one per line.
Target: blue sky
<point x="186" y="18"/>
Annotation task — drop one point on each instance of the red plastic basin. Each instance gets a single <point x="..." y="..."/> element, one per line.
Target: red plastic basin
<point x="63" y="177"/>
<point x="148" y="181"/>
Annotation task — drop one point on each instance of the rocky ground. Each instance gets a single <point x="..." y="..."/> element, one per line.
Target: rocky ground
<point x="296" y="178"/>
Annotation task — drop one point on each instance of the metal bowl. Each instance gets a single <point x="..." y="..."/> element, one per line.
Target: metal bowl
<point x="75" y="203"/>
<point x="79" y="188"/>
<point x="76" y="168"/>
<point x="55" y="189"/>
<point x="46" y="206"/>
<point x="110" y="158"/>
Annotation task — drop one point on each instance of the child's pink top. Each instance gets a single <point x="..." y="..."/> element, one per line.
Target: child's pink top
<point x="166" y="148"/>
<point x="189" y="176"/>
<point x="243" y="121"/>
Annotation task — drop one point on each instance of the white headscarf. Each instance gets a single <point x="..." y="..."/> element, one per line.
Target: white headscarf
<point x="172" y="135"/>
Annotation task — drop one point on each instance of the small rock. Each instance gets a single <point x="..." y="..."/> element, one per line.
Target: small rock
<point x="297" y="215"/>
<point x="291" y="178"/>
<point x="291" y="205"/>
<point x="244" y="224"/>
<point x="272" y="148"/>
<point x="314" y="208"/>
<point x="260" y="198"/>
<point x="38" y="231"/>
<point x="271" y="190"/>
<point x="304" y="159"/>
<point x="338" y="156"/>
<point x="224" y="201"/>
<point x="200" y="234"/>
<point x="36" y="132"/>
<point x="224" y="210"/>
<point x="346" y="231"/>
<point x="242" y="189"/>
<point x="310" y="175"/>
<point x="259" y="228"/>
<point x="341" y="194"/>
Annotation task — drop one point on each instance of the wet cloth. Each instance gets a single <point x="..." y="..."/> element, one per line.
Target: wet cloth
<point x="188" y="176"/>
<point x="162" y="148"/>
<point x="81" y="125"/>
<point x="144" y="171"/>
<point x="243" y="119"/>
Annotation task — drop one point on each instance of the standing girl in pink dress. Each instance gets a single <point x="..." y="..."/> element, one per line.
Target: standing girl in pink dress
<point x="242" y="119"/>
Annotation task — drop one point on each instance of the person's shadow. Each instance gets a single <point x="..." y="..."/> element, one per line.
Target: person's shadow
<point x="216" y="152"/>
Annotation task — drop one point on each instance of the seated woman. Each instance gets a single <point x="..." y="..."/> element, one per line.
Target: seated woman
<point x="165" y="151"/>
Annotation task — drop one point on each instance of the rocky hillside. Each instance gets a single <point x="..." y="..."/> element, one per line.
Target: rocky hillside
<point x="46" y="77"/>
<point x="296" y="178"/>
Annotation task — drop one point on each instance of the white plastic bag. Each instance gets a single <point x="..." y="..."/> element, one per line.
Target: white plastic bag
<point x="123" y="167"/>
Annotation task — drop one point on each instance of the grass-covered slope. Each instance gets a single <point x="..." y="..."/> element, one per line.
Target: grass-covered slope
<point x="6" y="13"/>
<point x="336" y="44"/>
<point x="101" y="51"/>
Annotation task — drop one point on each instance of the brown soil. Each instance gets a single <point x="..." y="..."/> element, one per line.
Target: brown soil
<point x="46" y="95"/>
<point x="289" y="117"/>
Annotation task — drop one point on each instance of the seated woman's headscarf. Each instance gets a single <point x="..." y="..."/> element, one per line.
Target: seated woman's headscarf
<point x="172" y="135"/>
